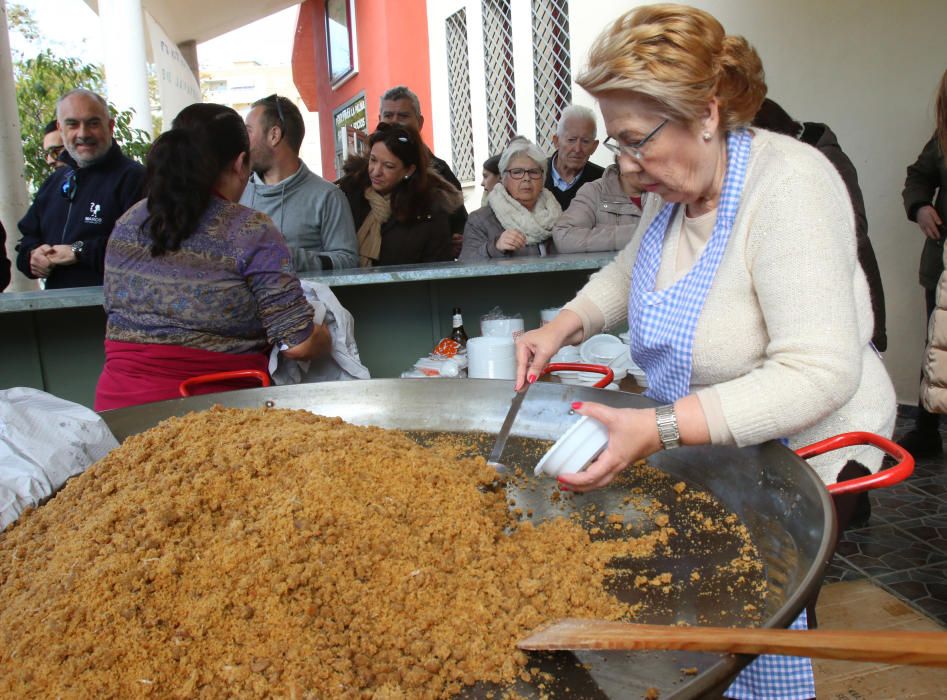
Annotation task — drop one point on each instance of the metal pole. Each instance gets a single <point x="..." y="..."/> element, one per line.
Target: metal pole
<point x="14" y="198"/>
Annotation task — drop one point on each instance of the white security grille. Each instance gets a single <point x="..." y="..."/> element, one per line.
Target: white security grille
<point x="552" y="66"/>
<point x="498" y="66"/>
<point x="458" y="85"/>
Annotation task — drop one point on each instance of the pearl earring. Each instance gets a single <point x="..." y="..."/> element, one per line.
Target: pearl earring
<point x="406" y="177"/>
<point x="706" y="136"/>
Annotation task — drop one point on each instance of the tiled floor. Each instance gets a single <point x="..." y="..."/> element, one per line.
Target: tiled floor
<point x="903" y="547"/>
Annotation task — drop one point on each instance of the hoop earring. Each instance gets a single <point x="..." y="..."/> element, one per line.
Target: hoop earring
<point x="706" y="136"/>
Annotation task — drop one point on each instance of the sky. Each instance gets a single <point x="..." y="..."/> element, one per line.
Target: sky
<point x="70" y="28"/>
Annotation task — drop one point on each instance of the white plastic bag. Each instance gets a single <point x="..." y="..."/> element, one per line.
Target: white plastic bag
<point x="44" y="440"/>
<point x="342" y="363"/>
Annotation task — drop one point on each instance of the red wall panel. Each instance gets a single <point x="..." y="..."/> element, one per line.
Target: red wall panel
<point x="392" y="49"/>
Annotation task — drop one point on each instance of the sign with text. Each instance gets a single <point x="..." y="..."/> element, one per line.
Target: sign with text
<point x="177" y="86"/>
<point x="349" y="122"/>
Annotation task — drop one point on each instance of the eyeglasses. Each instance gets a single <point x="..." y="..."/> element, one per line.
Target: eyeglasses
<point x="633" y="149"/>
<point x="53" y="151"/>
<point x="279" y="110"/>
<point x="69" y="186"/>
<point x="518" y="173"/>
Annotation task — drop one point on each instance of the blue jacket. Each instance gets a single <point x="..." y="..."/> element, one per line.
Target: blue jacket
<point x="100" y="194"/>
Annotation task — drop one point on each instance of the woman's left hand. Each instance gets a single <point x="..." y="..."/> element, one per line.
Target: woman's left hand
<point x="632" y="435"/>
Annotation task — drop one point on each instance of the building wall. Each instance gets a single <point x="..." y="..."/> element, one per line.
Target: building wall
<point x="868" y="68"/>
<point x="240" y="84"/>
<point x="392" y="49"/>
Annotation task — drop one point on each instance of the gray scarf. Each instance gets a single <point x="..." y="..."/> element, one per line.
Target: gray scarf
<point x="536" y="225"/>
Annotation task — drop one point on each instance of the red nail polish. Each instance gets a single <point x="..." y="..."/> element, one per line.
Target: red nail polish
<point x="576" y="405"/>
<point x="531" y="378"/>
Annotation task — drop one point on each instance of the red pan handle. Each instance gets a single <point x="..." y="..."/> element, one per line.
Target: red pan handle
<point x="188" y="384"/>
<point x="889" y="477"/>
<point x="581" y="367"/>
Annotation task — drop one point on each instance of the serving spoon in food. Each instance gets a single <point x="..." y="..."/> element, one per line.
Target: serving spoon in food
<point x="879" y="646"/>
<point x="494" y="459"/>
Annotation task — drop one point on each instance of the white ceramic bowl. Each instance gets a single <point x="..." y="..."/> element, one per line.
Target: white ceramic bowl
<point x="602" y="349"/>
<point x="567" y="353"/>
<point x="576" y="449"/>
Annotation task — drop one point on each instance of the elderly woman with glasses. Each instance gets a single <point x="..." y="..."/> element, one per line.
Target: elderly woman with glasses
<point x="519" y="214"/>
<point x="745" y="303"/>
<point x="400" y="205"/>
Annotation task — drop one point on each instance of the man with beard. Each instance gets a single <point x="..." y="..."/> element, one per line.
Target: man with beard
<point x="53" y="146"/>
<point x="311" y="213"/>
<point x="67" y="227"/>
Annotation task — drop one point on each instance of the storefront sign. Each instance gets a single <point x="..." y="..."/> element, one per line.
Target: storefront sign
<point x="350" y="122"/>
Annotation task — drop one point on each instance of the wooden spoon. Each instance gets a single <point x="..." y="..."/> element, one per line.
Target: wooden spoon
<point x="879" y="646"/>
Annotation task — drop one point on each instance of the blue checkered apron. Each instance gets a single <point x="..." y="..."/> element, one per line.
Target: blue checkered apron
<point x="662" y="324"/>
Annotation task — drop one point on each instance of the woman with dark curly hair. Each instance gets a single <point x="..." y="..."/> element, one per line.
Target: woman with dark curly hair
<point x="400" y="205"/>
<point x="194" y="282"/>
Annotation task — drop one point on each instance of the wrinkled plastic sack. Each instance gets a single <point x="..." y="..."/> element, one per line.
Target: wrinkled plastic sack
<point x="343" y="361"/>
<point x="44" y="440"/>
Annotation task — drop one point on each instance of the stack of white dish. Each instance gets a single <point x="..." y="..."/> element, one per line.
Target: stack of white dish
<point x="633" y="369"/>
<point x="571" y="353"/>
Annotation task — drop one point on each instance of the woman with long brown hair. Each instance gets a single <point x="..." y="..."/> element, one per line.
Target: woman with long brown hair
<point x="400" y="206"/>
<point x="925" y="201"/>
<point x="195" y="283"/>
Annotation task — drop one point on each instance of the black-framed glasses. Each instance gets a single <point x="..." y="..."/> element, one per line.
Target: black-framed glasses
<point x="69" y="186"/>
<point x="53" y="151"/>
<point x="518" y="173"/>
<point x="633" y="149"/>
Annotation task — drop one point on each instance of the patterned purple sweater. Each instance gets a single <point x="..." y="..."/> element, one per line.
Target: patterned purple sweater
<point x="230" y="287"/>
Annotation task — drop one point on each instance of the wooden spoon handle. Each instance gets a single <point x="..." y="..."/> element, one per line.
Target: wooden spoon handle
<point x="880" y="646"/>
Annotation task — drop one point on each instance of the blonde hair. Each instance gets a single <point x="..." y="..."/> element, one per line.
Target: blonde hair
<point x="942" y="116"/>
<point x="679" y="58"/>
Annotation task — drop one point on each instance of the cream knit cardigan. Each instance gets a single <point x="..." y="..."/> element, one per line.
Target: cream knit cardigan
<point x="783" y="338"/>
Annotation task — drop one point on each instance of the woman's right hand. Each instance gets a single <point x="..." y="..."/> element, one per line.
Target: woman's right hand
<point x="511" y="239"/>
<point x="929" y="222"/>
<point x="536" y="347"/>
<point x="318" y="344"/>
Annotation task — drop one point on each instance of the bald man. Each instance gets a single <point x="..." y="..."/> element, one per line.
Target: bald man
<point x="71" y="218"/>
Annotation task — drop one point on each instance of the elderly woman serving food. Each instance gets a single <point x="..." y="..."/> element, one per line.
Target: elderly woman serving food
<point x="746" y="306"/>
<point x="519" y="214"/>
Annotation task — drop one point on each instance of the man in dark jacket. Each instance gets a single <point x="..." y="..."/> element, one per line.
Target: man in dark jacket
<point x="399" y="105"/>
<point x="67" y="227"/>
<point x="773" y="117"/>
<point x="569" y="167"/>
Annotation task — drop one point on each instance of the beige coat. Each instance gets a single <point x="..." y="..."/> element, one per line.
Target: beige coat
<point x="934" y="370"/>
<point x="600" y="218"/>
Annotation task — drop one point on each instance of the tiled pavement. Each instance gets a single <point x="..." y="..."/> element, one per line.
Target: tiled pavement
<point x="903" y="547"/>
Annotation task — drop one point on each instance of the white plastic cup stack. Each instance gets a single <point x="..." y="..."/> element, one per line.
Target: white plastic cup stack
<point x="491" y="357"/>
<point x="502" y="327"/>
